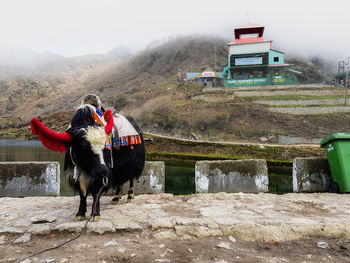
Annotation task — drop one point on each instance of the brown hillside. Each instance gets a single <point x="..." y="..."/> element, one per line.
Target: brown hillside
<point x="167" y="108"/>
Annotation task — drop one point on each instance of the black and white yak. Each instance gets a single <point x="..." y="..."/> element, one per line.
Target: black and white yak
<point x="88" y="163"/>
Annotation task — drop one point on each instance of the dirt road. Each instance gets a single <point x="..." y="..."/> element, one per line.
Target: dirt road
<point x="141" y="248"/>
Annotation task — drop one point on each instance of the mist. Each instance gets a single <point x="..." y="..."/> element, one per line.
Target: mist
<point x="75" y="28"/>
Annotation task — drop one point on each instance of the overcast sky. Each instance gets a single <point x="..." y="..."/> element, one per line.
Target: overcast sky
<point x="78" y="27"/>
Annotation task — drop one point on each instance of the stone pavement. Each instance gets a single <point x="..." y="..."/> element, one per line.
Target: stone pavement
<point x="250" y="217"/>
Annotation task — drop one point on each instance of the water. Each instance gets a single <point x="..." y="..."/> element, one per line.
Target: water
<point x="179" y="175"/>
<point x="280" y="182"/>
<point x="179" y="178"/>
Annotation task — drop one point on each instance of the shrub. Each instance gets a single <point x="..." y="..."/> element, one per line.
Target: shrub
<point x="120" y="101"/>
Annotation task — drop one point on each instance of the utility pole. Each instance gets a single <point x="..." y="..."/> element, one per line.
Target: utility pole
<point x="341" y="66"/>
<point x="346" y="81"/>
<point x="347" y="74"/>
<point x="215" y="56"/>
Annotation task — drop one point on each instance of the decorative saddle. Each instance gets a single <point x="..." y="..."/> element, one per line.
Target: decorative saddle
<point x="122" y="133"/>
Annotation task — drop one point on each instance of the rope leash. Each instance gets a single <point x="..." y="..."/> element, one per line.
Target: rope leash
<point x="105" y="182"/>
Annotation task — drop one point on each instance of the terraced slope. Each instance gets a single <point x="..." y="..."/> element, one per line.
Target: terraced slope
<point x="298" y="100"/>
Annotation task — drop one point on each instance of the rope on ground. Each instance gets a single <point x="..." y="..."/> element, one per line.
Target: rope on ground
<point x="81" y="232"/>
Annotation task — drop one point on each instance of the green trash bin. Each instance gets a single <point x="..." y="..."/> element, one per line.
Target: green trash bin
<point x="337" y="148"/>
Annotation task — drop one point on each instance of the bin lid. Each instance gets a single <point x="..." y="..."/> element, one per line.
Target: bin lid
<point x="334" y="137"/>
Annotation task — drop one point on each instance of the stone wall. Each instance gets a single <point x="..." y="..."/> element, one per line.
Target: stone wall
<point x="248" y="176"/>
<point x="29" y="178"/>
<point x="311" y="175"/>
<point x="152" y="180"/>
<point x="297" y="140"/>
<point x="43" y="178"/>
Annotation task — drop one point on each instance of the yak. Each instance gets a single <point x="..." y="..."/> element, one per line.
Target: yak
<point x="92" y="161"/>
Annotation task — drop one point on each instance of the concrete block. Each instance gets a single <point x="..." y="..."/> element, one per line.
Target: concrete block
<point x="29" y="178"/>
<point x="248" y="176"/>
<point x="152" y="180"/>
<point x="298" y="140"/>
<point x="311" y="175"/>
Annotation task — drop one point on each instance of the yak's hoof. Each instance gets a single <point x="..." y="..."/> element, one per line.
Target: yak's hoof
<point x="129" y="199"/>
<point x="79" y="218"/>
<point x="115" y="200"/>
<point x="95" y="218"/>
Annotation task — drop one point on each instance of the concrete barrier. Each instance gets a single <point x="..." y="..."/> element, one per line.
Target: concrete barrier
<point x="29" y="178"/>
<point x="152" y="180"/>
<point x="297" y="140"/>
<point x="248" y="176"/>
<point x="43" y="178"/>
<point x="311" y="175"/>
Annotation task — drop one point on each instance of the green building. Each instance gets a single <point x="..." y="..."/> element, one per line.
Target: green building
<point x="253" y="62"/>
<point x="340" y="78"/>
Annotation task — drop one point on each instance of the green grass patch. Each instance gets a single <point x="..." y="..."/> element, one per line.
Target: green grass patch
<point x="180" y="103"/>
<point x="300" y="97"/>
<point x="281" y="88"/>
<point x="305" y="106"/>
<point x="195" y="150"/>
<point x="175" y="157"/>
<point x="187" y="156"/>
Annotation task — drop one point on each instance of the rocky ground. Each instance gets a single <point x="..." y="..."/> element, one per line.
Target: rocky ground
<point x="165" y="228"/>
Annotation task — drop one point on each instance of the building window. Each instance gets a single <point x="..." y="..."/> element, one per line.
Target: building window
<point x="275" y="59"/>
<point x="248" y="73"/>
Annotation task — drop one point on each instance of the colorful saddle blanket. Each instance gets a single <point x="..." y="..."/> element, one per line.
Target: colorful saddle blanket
<point x="127" y="133"/>
<point x="123" y="132"/>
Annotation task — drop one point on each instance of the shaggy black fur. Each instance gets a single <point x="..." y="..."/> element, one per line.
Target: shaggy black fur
<point x="128" y="162"/>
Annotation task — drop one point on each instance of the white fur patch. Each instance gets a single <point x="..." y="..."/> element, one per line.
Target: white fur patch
<point x="84" y="182"/>
<point x="97" y="138"/>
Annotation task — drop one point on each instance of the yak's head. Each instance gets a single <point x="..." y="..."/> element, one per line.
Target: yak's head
<point x="86" y="148"/>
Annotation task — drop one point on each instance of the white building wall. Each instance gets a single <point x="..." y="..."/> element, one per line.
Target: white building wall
<point x="250" y="48"/>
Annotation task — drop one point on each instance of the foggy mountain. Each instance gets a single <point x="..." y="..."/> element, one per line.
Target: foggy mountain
<point x="161" y="64"/>
<point x="17" y="60"/>
<point x="32" y="84"/>
<point x="14" y="60"/>
<point x="193" y="53"/>
<point x="120" y="52"/>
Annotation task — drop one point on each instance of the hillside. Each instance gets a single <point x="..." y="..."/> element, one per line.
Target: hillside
<point x="168" y="108"/>
<point x="36" y="84"/>
<point x="24" y="94"/>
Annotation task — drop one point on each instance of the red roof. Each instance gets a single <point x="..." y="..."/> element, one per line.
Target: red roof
<point x="249" y="25"/>
<point x="248" y="41"/>
<point x="249" y="29"/>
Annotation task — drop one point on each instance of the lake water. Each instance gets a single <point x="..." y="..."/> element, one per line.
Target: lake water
<point x="179" y="175"/>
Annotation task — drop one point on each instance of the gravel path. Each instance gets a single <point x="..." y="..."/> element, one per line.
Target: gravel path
<point x="201" y="228"/>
